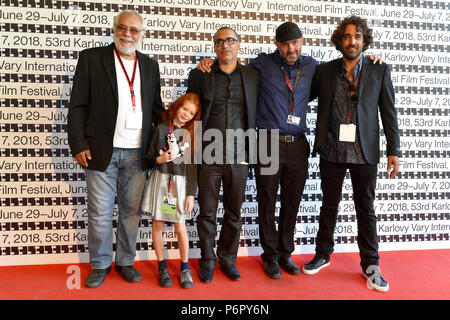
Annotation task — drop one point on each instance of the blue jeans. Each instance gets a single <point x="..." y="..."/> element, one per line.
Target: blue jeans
<point x="125" y="177"/>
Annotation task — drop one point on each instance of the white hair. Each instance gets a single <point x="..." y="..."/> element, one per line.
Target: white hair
<point x="117" y="18"/>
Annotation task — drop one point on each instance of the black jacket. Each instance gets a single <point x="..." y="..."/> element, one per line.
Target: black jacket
<point x="94" y="105"/>
<point x="375" y="94"/>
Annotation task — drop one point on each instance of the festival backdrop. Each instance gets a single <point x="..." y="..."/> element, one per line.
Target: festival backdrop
<point x="43" y="217"/>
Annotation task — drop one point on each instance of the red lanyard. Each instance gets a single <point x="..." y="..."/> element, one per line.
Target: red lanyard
<point x="130" y="82"/>
<point x="292" y="89"/>
<point x="353" y="92"/>
<point x="170" y="163"/>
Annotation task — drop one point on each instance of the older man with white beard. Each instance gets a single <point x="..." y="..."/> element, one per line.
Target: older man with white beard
<point x="115" y="99"/>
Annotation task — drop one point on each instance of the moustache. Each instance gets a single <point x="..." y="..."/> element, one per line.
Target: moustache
<point x="126" y="39"/>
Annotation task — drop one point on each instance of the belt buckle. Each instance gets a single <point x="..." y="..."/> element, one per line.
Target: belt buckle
<point x="289" y="138"/>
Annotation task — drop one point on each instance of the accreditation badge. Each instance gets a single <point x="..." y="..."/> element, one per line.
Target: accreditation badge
<point x="134" y="119"/>
<point x="347" y="133"/>
<point x="168" y="204"/>
<point x="294" y="120"/>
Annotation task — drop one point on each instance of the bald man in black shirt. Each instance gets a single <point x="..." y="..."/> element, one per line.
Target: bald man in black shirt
<point x="229" y="97"/>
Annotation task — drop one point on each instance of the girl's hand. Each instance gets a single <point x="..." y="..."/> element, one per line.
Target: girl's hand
<point x="165" y="157"/>
<point x="189" y="204"/>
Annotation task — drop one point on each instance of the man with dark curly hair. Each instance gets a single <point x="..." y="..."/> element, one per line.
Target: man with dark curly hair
<point x="351" y="92"/>
<point x="360" y="25"/>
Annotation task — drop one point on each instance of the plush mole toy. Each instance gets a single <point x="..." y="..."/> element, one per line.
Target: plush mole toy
<point x="176" y="148"/>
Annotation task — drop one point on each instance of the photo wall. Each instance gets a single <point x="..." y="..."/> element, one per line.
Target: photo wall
<point x="43" y="216"/>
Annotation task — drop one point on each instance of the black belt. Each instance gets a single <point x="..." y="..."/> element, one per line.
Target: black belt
<point x="291" y="138"/>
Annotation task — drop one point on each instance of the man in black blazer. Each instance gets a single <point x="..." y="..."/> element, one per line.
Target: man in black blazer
<point x="229" y="96"/>
<point x="114" y="106"/>
<point x="351" y="92"/>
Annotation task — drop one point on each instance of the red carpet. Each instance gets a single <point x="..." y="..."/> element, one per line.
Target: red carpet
<point x="411" y="274"/>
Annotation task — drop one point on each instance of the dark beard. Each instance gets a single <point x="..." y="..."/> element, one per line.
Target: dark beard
<point x="351" y="57"/>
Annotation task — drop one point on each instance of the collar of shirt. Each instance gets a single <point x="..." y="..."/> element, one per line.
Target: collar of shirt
<point x="278" y="59"/>
<point x="216" y="67"/>
<point x="358" y="67"/>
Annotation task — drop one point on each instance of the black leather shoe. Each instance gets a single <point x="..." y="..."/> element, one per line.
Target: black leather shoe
<point x="272" y="269"/>
<point x="164" y="278"/>
<point x="96" y="277"/>
<point x="288" y="265"/>
<point x="186" y="279"/>
<point x="231" y="272"/>
<point x="315" y="265"/>
<point x="206" y="274"/>
<point x="129" y="273"/>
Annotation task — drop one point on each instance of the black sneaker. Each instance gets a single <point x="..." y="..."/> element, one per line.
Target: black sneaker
<point x="375" y="280"/>
<point x="164" y="278"/>
<point x="96" y="277"/>
<point x="315" y="265"/>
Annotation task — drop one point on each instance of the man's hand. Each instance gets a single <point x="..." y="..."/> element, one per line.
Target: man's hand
<point x="375" y="60"/>
<point x="83" y="156"/>
<point x="395" y="163"/>
<point x="189" y="204"/>
<point x="205" y="65"/>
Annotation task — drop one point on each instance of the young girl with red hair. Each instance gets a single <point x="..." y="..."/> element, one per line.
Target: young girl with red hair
<point x="172" y="185"/>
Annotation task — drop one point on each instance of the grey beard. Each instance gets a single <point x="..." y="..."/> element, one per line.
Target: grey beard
<point x="123" y="50"/>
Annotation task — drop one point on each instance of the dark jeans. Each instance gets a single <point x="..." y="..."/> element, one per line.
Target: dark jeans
<point x="363" y="180"/>
<point x="291" y="177"/>
<point x="210" y="177"/>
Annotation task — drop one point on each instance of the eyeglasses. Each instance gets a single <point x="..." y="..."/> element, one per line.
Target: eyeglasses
<point x="228" y="41"/>
<point x="122" y="29"/>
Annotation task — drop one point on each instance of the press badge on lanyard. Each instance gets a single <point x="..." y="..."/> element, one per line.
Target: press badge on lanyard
<point x="134" y="117"/>
<point x="292" y="118"/>
<point x="347" y="132"/>
<point x="169" y="205"/>
<point x="168" y="202"/>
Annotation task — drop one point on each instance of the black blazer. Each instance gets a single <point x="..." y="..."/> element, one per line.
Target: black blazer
<point x="375" y="93"/>
<point x="203" y="85"/>
<point x="94" y="105"/>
